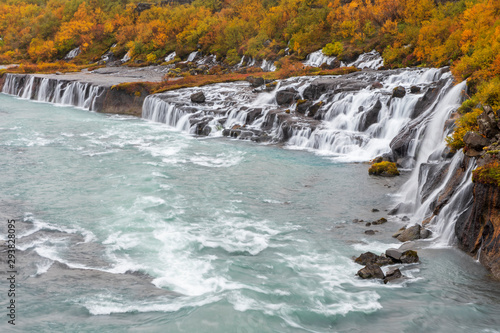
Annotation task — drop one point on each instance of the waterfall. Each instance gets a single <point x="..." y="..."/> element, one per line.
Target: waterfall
<point x="268" y="66"/>
<point x="439" y="191"/>
<point x="431" y="147"/>
<point x="370" y="60"/>
<point x="127" y="56"/>
<point x="157" y="110"/>
<point x="61" y="92"/>
<point x="192" y="56"/>
<point x="318" y="58"/>
<point x="72" y="54"/>
<point x="347" y="117"/>
<point x="170" y="57"/>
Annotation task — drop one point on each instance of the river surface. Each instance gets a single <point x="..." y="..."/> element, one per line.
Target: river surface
<point x="126" y="225"/>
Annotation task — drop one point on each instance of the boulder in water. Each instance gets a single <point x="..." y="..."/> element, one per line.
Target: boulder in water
<point x="415" y="89"/>
<point x="371" y="271"/>
<point x="425" y="233"/>
<point x="366" y="258"/>
<point x="398" y="92"/>
<point x="399" y="232"/>
<point x="303" y="106"/>
<point x="370" y="117"/>
<point x="409" y="257"/>
<point x="286" y="96"/>
<point x="410" y="234"/>
<point x="392" y="274"/>
<point x="198" y="97"/>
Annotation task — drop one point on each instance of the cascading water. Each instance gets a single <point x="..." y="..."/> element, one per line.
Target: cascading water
<point x="73" y="53"/>
<point x="62" y="92"/>
<point x="349" y="117"/>
<point x="170" y="57"/>
<point x="436" y="180"/>
<point x="318" y="58"/>
<point x="370" y="60"/>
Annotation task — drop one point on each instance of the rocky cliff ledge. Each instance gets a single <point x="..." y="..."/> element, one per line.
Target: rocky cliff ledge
<point x="478" y="231"/>
<point x="95" y="90"/>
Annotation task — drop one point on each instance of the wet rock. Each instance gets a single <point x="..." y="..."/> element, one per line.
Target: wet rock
<point x="475" y="141"/>
<point x="366" y="258"/>
<point x="384" y="261"/>
<point x="371" y="271"/>
<point x="255" y="81"/>
<point x="374" y="210"/>
<point x="473" y="153"/>
<point x="303" y="106"/>
<point x="392" y="274"/>
<point x="311" y="112"/>
<point x="405" y="218"/>
<point x="286" y="96"/>
<point x="370" y="232"/>
<point x="380" y="221"/>
<point x="376" y="85"/>
<point x="410" y="234"/>
<point x="368" y="224"/>
<point x="415" y="89"/>
<point x="402" y="256"/>
<point x="409" y="257"/>
<point x="425" y="233"/>
<point x="394" y="254"/>
<point x="478" y="229"/>
<point x="371" y="258"/>
<point x="398" y="92"/>
<point x="198" y="97"/>
<point x="355" y="221"/>
<point x="399" y="232"/>
<point x="370" y="117"/>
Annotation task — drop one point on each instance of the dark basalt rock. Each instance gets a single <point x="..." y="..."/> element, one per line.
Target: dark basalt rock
<point x="371" y="271"/>
<point x="370" y="117"/>
<point x="286" y="96"/>
<point x="255" y="81"/>
<point x="428" y="99"/>
<point x="394" y="254"/>
<point x="399" y="232"/>
<point x="409" y="257"/>
<point x="477" y="229"/>
<point x="303" y="106"/>
<point x="366" y="258"/>
<point x="398" y="92"/>
<point x="415" y="89"/>
<point x="410" y="234"/>
<point x="380" y="221"/>
<point x="488" y="125"/>
<point x="198" y="97"/>
<point x="402" y="256"/>
<point x="392" y="274"/>
<point x="371" y="258"/>
<point x="475" y="141"/>
<point x="425" y="233"/>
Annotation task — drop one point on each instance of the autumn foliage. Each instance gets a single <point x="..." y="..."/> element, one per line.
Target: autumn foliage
<point x="464" y="34"/>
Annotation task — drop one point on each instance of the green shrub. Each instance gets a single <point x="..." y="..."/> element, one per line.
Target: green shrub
<point x="333" y="49"/>
<point x="488" y="174"/>
<point x="384" y="168"/>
